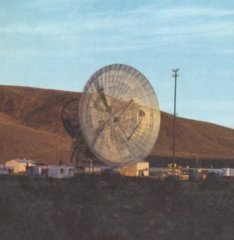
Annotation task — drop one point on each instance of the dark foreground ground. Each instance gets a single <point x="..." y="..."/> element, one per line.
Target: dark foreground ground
<point x="104" y="207"/>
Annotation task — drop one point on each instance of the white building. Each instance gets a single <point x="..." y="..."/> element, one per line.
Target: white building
<point x="18" y="165"/>
<point x="4" y="171"/>
<point x="37" y="170"/>
<point x="60" y="171"/>
<point x="215" y="172"/>
<point x="228" y="172"/>
<point x="140" y="169"/>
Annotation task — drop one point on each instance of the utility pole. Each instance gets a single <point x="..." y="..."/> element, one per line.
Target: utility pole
<point x="175" y="75"/>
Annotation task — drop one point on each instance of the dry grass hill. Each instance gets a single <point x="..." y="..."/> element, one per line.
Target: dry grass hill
<point x="30" y="127"/>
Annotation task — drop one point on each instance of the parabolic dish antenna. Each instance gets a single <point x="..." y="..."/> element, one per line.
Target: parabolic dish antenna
<point x="119" y="115"/>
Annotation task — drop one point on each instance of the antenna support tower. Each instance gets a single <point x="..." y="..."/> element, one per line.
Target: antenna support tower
<point x="80" y="154"/>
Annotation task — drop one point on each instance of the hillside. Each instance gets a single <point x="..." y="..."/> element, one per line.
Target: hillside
<point x="195" y="138"/>
<point x="30" y="127"/>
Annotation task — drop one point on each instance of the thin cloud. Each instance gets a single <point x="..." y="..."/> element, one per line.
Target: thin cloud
<point x="149" y="21"/>
<point x="226" y="51"/>
<point x="42" y="28"/>
<point x="196" y="12"/>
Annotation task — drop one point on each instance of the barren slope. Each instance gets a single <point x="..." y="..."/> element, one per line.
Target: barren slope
<point x="195" y="139"/>
<point x="30" y="124"/>
<point x="30" y="127"/>
<point x="19" y="141"/>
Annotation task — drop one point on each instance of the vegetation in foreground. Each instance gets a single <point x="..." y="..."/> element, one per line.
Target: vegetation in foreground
<point x="115" y="207"/>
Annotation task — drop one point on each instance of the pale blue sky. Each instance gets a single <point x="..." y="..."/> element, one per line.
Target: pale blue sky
<point x="59" y="44"/>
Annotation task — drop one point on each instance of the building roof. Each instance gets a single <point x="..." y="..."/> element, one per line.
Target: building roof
<point x="60" y="166"/>
<point x="22" y="160"/>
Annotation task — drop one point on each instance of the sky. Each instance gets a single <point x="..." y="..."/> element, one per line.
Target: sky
<point x="59" y="44"/>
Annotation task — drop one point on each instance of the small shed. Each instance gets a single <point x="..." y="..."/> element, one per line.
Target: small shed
<point x="215" y="172"/>
<point x="60" y="171"/>
<point x="4" y="171"/>
<point x="228" y="172"/>
<point x="37" y="170"/>
<point x="140" y="169"/>
<point x="18" y="166"/>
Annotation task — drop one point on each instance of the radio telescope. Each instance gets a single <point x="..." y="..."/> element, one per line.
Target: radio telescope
<point x="119" y="115"/>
